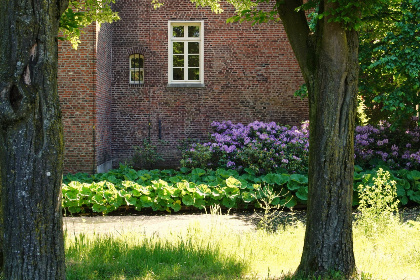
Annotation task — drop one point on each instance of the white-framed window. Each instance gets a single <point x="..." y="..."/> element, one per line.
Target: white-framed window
<point x="186" y="52"/>
<point x="136" y="69"/>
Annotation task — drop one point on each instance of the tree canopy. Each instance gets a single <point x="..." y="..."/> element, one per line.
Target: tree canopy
<point x="390" y="62"/>
<point x="82" y="13"/>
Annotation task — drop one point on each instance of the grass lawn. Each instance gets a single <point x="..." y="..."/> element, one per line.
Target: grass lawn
<point x="216" y="252"/>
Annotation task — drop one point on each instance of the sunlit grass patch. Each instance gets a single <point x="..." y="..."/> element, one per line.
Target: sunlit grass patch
<point x="217" y="252"/>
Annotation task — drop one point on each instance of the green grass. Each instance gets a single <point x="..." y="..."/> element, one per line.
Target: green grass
<point x="216" y="252"/>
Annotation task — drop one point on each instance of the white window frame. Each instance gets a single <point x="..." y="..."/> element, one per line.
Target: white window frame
<point x="140" y="70"/>
<point x="186" y="39"/>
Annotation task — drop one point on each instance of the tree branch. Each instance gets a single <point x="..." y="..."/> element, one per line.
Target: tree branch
<point x="299" y="34"/>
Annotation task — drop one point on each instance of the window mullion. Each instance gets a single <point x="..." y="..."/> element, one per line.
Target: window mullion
<point x="185" y="56"/>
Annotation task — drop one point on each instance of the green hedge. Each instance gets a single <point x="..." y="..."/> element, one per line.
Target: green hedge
<point x="168" y="190"/>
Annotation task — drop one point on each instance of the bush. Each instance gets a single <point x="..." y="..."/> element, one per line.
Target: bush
<point x="268" y="147"/>
<point x="380" y="145"/>
<point x="378" y="202"/>
<point x="145" y="156"/>
<point x="262" y="147"/>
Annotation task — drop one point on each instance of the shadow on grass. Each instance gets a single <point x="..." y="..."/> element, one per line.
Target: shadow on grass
<point x="110" y="258"/>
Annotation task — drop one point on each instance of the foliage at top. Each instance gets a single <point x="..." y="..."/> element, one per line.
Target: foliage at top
<point x="80" y="14"/>
<point x="390" y="62"/>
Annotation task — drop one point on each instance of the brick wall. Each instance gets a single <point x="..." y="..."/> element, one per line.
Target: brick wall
<point x="250" y="74"/>
<point x="103" y="96"/>
<point x="76" y="87"/>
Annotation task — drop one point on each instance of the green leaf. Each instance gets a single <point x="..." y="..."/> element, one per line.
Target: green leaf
<point x="233" y="183"/>
<point x="71" y="195"/>
<point x="415" y="175"/>
<point x="247" y="197"/>
<point x="357" y="168"/>
<point x="184" y="169"/>
<point x="146" y="201"/>
<point x="293" y="185"/>
<point x="403" y="200"/>
<point x="276" y="201"/>
<point x="176" y="206"/>
<point x="302" y="193"/>
<point x="198" y="172"/>
<point x="188" y="200"/>
<point x="301" y="179"/>
<point x="75" y="209"/>
<point x="278" y="179"/>
<point x="228" y="203"/>
<point x="130" y="200"/>
<point x="289" y="201"/>
<point x="98" y="208"/>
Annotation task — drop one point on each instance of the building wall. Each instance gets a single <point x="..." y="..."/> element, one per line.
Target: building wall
<point x="76" y="87"/>
<point x="250" y="74"/>
<point x="103" y="96"/>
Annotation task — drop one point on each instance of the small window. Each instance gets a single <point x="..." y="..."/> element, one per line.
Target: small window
<point x="136" y="69"/>
<point x="186" y="49"/>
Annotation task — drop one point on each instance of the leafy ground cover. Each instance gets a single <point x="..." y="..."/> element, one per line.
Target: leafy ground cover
<point x="217" y="252"/>
<point x="170" y="190"/>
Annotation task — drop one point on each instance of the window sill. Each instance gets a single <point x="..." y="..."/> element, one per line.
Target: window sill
<point x="185" y="85"/>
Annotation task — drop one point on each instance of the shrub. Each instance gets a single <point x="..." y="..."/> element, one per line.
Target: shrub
<point x="262" y="147"/>
<point x="378" y="202"/>
<point x="380" y="145"/>
<point x="145" y="156"/>
<point x="268" y="147"/>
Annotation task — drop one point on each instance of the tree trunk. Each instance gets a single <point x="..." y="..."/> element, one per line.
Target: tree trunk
<point x="328" y="238"/>
<point x="31" y="140"/>
<point x="329" y="62"/>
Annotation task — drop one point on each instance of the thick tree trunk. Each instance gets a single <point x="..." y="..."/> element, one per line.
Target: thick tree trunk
<point x="329" y="62"/>
<point x="328" y="238"/>
<point x="31" y="140"/>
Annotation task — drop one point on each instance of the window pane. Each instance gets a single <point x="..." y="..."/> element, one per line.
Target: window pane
<point x="193" y="47"/>
<point x="178" y="47"/>
<point x="193" y="31"/>
<point x="141" y="61"/>
<point x="178" y="61"/>
<point x="178" y="31"/>
<point x="193" y="61"/>
<point x="141" y="75"/>
<point x="135" y="62"/>
<point x="135" y="76"/>
<point x="194" y="74"/>
<point x="178" y="74"/>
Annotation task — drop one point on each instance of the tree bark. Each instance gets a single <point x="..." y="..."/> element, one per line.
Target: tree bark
<point x="329" y="63"/>
<point x="31" y="140"/>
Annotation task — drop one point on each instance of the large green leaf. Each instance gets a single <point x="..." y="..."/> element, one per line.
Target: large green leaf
<point x="228" y="203"/>
<point x="233" y="183"/>
<point x="273" y="178"/>
<point x="71" y="195"/>
<point x="301" y="179"/>
<point x="176" y="206"/>
<point x="293" y="185"/>
<point x="302" y="193"/>
<point x="146" y="201"/>
<point x="188" y="200"/>
<point x="198" y="172"/>
<point x="415" y="175"/>
<point x="98" y="208"/>
<point x="247" y="197"/>
<point x="289" y="201"/>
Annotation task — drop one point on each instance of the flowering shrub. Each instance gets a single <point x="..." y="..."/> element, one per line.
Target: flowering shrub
<point x="261" y="147"/>
<point x="378" y="145"/>
<point x="268" y="147"/>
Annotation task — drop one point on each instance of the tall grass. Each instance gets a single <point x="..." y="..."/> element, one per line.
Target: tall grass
<point x="217" y="252"/>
